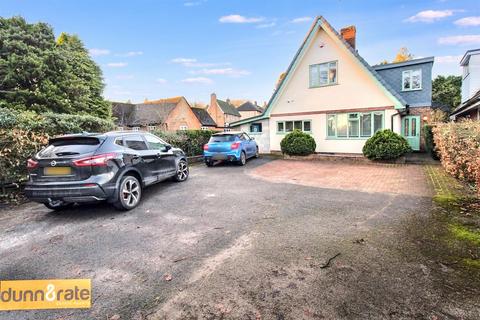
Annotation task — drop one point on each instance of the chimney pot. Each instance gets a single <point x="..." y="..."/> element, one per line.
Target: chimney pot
<point x="349" y="34"/>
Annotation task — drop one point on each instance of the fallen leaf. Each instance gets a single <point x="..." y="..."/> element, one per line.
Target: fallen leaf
<point x="167" y="277"/>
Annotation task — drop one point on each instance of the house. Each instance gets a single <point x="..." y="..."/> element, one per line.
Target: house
<point x="332" y="93"/>
<point x="470" y="105"/>
<point x="222" y="112"/>
<point x="169" y="114"/>
<point x="205" y="119"/>
<point x="249" y="109"/>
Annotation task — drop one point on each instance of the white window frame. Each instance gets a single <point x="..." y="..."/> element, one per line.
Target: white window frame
<point x="408" y="73"/>
<point x="204" y="128"/>
<point x="255" y="132"/>
<point x="284" y="131"/>
<point x="183" y="128"/>
<point x="135" y="128"/>
<point x="316" y="68"/>
<point x="152" y="128"/>
<point x="354" y="117"/>
<point x="119" y="128"/>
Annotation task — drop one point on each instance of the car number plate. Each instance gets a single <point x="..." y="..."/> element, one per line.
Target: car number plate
<point x="57" y="171"/>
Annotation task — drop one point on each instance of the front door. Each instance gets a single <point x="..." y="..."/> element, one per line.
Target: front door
<point x="411" y="131"/>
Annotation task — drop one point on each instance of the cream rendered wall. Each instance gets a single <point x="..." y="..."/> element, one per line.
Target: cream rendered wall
<point x="354" y="89"/>
<point x="262" y="139"/>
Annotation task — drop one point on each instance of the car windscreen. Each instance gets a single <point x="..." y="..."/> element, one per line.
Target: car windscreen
<point x="222" y="138"/>
<point x="69" y="147"/>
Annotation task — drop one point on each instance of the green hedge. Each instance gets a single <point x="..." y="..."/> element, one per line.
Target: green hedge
<point x="51" y="123"/>
<point x="190" y="141"/>
<point x="385" y="145"/>
<point x="298" y="143"/>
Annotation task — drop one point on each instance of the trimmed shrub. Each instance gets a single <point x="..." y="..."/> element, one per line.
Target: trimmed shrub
<point x="16" y="146"/>
<point x="52" y="123"/>
<point x="190" y="141"/>
<point x="458" y="144"/>
<point x="385" y="145"/>
<point x="298" y="143"/>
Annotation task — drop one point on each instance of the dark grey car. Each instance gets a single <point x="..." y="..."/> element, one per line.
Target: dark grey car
<point x="113" y="167"/>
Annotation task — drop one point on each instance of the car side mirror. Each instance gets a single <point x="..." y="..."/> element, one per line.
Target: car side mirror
<point x="252" y="138"/>
<point x="166" y="148"/>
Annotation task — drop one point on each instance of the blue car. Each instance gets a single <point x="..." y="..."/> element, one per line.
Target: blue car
<point x="230" y="146"/>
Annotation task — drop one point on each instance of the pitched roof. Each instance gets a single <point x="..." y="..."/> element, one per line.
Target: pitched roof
<point x="403" y="63"/>
<point x="204" y="117"/>
<point x="320" y="22"/>
<point x="248" y="106"/>
<point x="228" y="108"/>
<point x="473" y="102"/>
<point x="142" y="114"/>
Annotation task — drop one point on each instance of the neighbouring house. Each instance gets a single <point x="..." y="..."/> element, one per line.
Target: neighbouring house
<point x="249" y="109"/>
<point x="332" y="93"/>
<point x="169" y="114"/>
<point x="205" y="119"/>
<point x="222" y="112"/>
<point x="470" y="106"/>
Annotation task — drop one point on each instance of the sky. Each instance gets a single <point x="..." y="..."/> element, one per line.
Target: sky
<point x="238" y="48"/>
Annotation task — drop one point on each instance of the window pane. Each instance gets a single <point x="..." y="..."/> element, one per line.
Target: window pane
<point x="377" y="122"/>
<point x="406" y="126"/>
<point x="307" y="126"/>
<point x="366" y="125"/>
<point x="288" y="126"/>
<point x="331" y="125"/>
<point x="417" y="79"/>
<point x="414" y="128"/>
<point x="406" y="80"/>
<point x="135" y="143"/>
<point x="314" y="78"/>
<point x="353" y="127"/>
<point x="297" y="125"/>
<point x="256" y="127"/>
<point x="332" y="74"/>
<point x="323" y="69"/>
<point x="280" y="127"/>
<point x="342" y="124"/>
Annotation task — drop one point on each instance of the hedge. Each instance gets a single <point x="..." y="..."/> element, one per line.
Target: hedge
<point x="385" y="145"/>
<point x="298" y="143"/>
<point x="458" y="145"/>
<point x="190" y="141"/>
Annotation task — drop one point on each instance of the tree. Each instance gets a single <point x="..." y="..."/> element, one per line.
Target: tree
<point x="403" y="55"/>
<point x="39" y="74"/>
<point x="446" y="91"/>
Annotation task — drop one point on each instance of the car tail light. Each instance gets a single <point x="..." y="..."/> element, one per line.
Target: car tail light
<point x="31" y="164"/>
<point x="205" y="147"/>
<point x="235" y="145"/>
<point x="95" y="161"/>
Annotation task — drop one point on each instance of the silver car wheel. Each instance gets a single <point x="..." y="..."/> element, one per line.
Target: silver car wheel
<point x="182" y="172"/>
<point x="131" y="192"/>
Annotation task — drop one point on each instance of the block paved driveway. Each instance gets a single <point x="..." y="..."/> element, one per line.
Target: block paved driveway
<point x="271" y="240"/>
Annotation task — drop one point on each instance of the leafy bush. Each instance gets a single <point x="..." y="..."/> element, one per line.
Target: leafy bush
<point x="16" y="146"/>
<point x="429" y="142"/>
<point x="458" y="144"/>
<point x="298" y="143"/>
<point x="385" y="145"/>
<point x="51" y="123"/>
<point x="190" y="141"/>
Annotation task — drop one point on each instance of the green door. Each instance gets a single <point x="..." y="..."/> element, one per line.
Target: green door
<point x="411" y="131"/>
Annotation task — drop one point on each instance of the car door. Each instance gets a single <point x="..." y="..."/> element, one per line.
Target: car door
<point x="139" y="156"/>
<point x="252" y="145"/>
<point x="165" y="166"/>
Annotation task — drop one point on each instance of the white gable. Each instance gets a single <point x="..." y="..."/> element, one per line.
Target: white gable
<point x="355" y="86"/>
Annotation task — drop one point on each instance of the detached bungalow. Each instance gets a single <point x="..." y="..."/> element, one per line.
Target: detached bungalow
<point x="331" y="92"/>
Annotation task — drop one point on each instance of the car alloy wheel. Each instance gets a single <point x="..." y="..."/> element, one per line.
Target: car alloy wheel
<point x="131" y="192"/>
<point x="243" y="159"/>
<point x="182" y="171"/>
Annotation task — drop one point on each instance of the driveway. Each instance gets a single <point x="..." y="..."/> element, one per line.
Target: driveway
<point x="241" y="243"/>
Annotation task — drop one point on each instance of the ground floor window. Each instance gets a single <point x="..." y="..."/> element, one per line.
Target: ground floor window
<point x="135" y="128"/>
<point x="289" y="126"/>
<point x="256" y="127"/>
<point x="183" y="128"/>
<point x="204" y="128"/>
<point x="354" y="125"/>
<point x="151" y="128"/>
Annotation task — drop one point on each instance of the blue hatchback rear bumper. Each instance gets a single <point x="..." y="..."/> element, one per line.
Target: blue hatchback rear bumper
<point x="233" y="155"/>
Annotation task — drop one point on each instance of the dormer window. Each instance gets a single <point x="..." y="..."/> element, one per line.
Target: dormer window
<point x="323" y="74"/>
<point x="412" y="80"/>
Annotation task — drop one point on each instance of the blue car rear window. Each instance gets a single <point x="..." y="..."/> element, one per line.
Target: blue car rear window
<point x="222" y="138"/>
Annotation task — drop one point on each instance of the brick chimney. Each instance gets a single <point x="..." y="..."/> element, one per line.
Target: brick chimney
<point x="349" y="34"/>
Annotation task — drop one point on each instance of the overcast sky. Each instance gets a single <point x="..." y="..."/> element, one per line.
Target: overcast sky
<point x="238" y="48"/>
